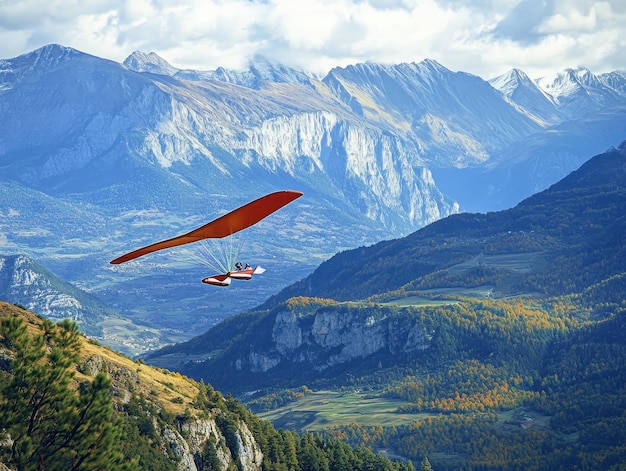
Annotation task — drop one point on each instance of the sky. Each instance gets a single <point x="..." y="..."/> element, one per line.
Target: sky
<point x="483" y="37"/>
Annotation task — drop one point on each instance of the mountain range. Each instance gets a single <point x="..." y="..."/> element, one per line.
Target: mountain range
<point x="491" y="339"/>
<point x="98" y="157"/>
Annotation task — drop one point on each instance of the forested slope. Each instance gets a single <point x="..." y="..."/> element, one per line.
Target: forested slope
<point x="576" y="226"/>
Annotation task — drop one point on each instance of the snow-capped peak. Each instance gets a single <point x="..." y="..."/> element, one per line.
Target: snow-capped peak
<point x="260" y="70"/>
<point x="615" y="80"/>
<point x="567" y="82"/>
<point x="578" y="91"/>
<point x="510" y="81"/>
<point x="141" y="62"/>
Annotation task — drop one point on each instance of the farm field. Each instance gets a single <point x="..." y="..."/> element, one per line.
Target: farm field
<point x="322" y="409"/>
<point x="124" y="336"/>
<point x="514" y="262"/>
<point x="419" y="301"/>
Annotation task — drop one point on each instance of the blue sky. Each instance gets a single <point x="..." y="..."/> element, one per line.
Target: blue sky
<point x="483" y="37"/>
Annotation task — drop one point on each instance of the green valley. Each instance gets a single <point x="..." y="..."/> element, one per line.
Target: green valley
<point x="317" y="410"/>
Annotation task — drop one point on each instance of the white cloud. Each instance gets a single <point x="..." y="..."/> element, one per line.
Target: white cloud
<point x="484" y="37"/>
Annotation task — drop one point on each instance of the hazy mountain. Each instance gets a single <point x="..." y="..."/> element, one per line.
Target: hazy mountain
<point x="24" y="282"/>
<point x="524" y="168"/>
<point x="586" y="116"/>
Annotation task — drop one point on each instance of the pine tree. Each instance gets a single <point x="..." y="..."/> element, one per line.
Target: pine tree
<point x="95" y="435"/>
<point x="209" y="460"/>
<point x="310" y="456"/>
<point x="52" y="425"/>
<point x="291" y="456"/>
<point x="426" y="465"/>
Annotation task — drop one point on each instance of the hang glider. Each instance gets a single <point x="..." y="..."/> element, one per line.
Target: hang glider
<point x="224" y="226"/>
<point x="224" y="279"/>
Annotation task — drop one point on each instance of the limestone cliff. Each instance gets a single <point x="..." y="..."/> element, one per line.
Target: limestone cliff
<point x="325" y="337"/>
<point x="186" y="442"/>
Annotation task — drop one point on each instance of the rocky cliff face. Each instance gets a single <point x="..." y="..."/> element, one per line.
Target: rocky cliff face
<point x="379" y="173"/>
<point x="325" y="338"/>
<point x="186" y="441"/>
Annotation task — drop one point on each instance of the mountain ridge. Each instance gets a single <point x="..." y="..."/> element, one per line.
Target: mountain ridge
<point x="612" y="173"/>
<point x="144" y="156"/>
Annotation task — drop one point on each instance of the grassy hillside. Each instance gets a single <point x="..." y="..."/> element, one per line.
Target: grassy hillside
<point x="140" y="417"/>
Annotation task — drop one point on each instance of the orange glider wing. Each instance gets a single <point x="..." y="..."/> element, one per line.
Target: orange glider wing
<point x="235" y="221"/>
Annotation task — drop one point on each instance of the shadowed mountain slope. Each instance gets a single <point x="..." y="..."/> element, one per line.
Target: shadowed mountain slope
<point x="581" y="216"/>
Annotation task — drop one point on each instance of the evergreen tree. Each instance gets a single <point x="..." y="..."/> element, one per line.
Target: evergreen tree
<point x="426" y="465"/>
<point x="291" y="456"/>
<point x="310" y="456"/>
<point x="52" y="425"/>
<point x="209" y="460"/>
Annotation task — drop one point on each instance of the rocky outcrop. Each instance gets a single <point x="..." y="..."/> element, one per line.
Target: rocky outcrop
<point x="188" y="443"/>
<point x="327" y="337"/>
<point x="185" y="442"/>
